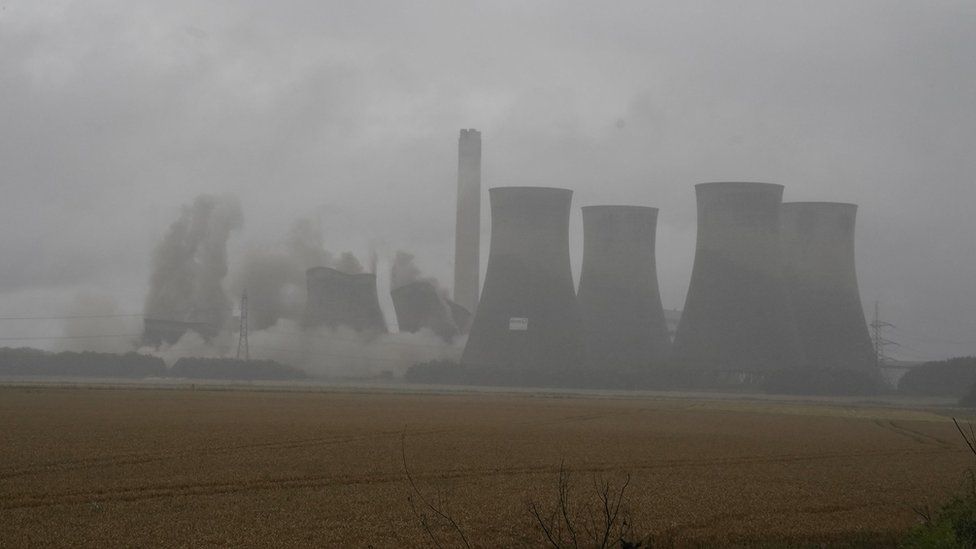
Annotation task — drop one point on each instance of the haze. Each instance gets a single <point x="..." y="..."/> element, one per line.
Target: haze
<point x="115" y="114"/>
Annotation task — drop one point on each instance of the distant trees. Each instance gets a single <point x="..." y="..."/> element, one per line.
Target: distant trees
<point x="821" y="381"/>
<point x="35" y="362"/>
<point x="953" y="377"/>
<point x="652" y="377"/>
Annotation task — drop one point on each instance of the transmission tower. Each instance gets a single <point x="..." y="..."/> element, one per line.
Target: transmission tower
<point x="879" y="341"/>
<point x="242" y="336"/>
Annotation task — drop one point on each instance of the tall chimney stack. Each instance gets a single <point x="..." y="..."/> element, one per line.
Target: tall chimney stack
<point x="467" y="237"/>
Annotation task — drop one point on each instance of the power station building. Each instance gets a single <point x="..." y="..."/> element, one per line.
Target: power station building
<point x="527" y="327"/>
<point x="818" y="246"/>
<point x="339" y="299"/>
<point x="737" y="315"/>
<point x="619" y="299"/>
<point x="467" y="237"/>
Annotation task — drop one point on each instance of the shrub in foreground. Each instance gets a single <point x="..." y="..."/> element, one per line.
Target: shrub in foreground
<point x="954" y="524"/>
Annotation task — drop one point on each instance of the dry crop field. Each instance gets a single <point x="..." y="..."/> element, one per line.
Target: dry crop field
<point x="94" y="467"/>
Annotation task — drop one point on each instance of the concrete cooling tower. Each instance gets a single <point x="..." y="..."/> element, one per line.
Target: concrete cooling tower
<point x="623" y="319"/>
<point x="818" y="246"/>
<point x="737" y="315"/>
<point x="527" y="326"/>
<point x="338" y="299"/>
<point x="461" y="316"/>
<point x="419" y="306"/>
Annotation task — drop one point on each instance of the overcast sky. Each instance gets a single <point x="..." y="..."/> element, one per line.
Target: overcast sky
<point x="113" y="114"/>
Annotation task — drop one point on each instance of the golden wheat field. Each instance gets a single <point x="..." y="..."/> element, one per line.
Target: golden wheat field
<point x="136" y="467"/>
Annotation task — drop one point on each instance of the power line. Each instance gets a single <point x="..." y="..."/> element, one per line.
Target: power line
<point x="376" y="342"/>
<point x="112" y="315"/>
<point x="39" y="338"/>
<point x="879" y="341"/>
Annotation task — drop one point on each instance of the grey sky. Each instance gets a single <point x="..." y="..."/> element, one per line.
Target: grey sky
<point x="114" y="114"/>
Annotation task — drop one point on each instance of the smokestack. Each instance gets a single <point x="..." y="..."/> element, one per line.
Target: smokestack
<point x="818" y="246"/>
<point x="737" y="314"/>
<point x="618" y="296"/>
<point x="338" y="299"/>
<point x="418" y="306"/>
<point x="527" y="325"/>
<point x="467" y="237"/>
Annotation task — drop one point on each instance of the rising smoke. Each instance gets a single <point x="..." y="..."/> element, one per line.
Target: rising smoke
<point x="189" y="266"/>
<point x="348" y="264"/>
<point x="274" y="277"/>
<point x="190" y="263"/>
<point x="405" y="271"/>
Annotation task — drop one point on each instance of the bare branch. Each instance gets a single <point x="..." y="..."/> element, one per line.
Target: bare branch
<point x="564" y="502"/>
<point x="545" y="526"/>
<point x="970" y="441"/>
<point x="433" y="508"/>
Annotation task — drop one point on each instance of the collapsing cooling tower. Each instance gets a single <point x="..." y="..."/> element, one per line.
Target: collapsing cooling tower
<point x="737" y="314"/>
<point x="527" y="323"/>
<point x="418" y="306"/>
<point x="818" y="246"/>
<point x="338" y="299"/>
<point x="461" y="316"/>
<point x="623" y="319"/>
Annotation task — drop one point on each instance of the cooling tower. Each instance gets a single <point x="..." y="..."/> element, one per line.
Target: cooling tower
<point x="461" y="316"/>
<point x="419" y="306"/>
<point x="527" y="326"/>
<point x="623" y="319"/>
<point x="467" y="238"/>
<point x="818" y="248"/>
<point x="737" y="313"/>
<point x="338" y="299"/>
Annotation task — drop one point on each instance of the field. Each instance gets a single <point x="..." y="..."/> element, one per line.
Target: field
<point x="140" y="466"/>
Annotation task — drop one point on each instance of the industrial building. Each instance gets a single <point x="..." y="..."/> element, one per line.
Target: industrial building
<point x="339" y="299"/>
<point x="818" y="247"/>
<point x="527" y="326"/>
<point x="737" y="315"/>
<point x="623" y="320"/>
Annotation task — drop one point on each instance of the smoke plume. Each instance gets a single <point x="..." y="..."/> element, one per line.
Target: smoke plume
<point x="404" y="271"/>
<point x="348" y="264"/>
<point x="274" y="277"/>
<point x="190" y="263"/>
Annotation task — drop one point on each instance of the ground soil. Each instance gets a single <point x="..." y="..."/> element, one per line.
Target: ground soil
<point x="141" y="466"/>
